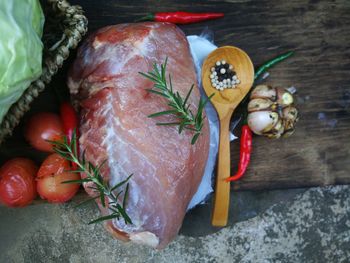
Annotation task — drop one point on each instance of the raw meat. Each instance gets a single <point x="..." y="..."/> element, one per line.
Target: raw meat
<point x="114" y="103"/>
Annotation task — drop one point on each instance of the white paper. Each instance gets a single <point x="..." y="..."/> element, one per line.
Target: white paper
<point x="200" y="48"/>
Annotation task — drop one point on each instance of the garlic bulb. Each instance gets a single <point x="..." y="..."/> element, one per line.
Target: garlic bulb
<point x="271" y="112"/>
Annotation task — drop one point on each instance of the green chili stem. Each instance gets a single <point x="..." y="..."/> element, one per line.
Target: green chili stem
<point x="268" y="64"/>
<point x="246" y="135"/>
<point x="148" y="17"/>
<point x="271" y="63"/>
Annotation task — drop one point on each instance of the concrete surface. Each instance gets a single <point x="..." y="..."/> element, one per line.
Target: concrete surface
<point x="277" y="226"/>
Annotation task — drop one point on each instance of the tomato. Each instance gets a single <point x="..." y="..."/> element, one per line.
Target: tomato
<point x="53" y="164"/>
<point x="51" y="174"/>
<point x="17" y="182"/>
<point x="42" y="127"/>
<point x="51" y="187"/>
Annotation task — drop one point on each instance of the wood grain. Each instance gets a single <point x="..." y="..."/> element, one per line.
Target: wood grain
<point x="225" y="102"/>
<point x="243" y="67"/>
<point x="319" y="151"/>
<point x="221" y="202"/>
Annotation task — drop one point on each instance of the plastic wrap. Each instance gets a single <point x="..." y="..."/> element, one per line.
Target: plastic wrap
<point x="200" y="47"/>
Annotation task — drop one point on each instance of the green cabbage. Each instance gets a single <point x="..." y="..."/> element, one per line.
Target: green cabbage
<point x="21" y="27"/>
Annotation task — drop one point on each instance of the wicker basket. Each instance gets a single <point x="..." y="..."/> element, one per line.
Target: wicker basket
<point x="64" y="27"/>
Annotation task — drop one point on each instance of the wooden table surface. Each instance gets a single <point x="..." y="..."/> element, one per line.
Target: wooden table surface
<point x="319" y="31"/>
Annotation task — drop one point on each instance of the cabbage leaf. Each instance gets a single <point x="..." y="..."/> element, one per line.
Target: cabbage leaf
<point x="21" y="48"/>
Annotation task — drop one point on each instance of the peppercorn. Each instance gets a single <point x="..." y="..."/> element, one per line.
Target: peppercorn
<point x="223" y="76"/>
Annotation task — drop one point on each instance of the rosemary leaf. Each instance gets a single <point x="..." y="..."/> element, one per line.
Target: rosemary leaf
<point x="160" y="86"/>
<point x="97" y="171"/>
<point x="179" y="106"/>
<point x="103" y="218"/>
<point x="181" y="126"/>
<point x="93" y="188"/>
<point x="121" y="183"/>
<point x="191" y="129"/>
<point x="80" y="181"/>
<point x="163" y="67"/>
<point x="117" y="196"/>
<point x="179" y="100"/>
<point x="63" y="153"/>
<point x="78" y="171"/>
<point x="74" y="144"/>
<point x="125" y="215"/>
<point x="115" y="211"/>
<point x="56" y="143"/>
<point x="187" y="96"/>
<point x="68" y="150"/>
<point x="173" y="104"/>
<point x="125" y="195"/>
<point x="157" y="92"/>
<point x="168" y="123"/>
<point x="195" y="137"/>
<point x="83" y="160"/>
<point x="91" y="167"/>
<point x="149" y="76"/>
<point x="102" y="197"/>
<point x="170" y="84"/>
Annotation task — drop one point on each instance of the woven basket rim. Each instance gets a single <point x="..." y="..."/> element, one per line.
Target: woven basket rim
<point x="75" y="28"/>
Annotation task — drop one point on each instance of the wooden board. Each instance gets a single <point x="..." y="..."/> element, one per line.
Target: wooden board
<point x="319" y="31"/>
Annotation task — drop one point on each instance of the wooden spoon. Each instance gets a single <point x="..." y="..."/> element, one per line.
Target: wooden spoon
<point x="225" y="102"/>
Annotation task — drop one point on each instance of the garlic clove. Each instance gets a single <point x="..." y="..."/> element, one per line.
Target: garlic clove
<point x="290" y="113"/>
<point x="288" y="132"/>
<point x="291" y="116"/>
<point x="259" y="104"/>
<point x="262" y="121"/>
<point x="277" y="131"/>
<point x="284" y="97"/>
<point x="271" y="112"/>
<point x="264" y="91"/>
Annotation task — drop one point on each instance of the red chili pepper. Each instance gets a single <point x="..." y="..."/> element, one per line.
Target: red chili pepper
<point x="181" y="17"/>
<point x="246" y="149"/>
<point x="70" y="124"/>
<point x="246" y="137"/>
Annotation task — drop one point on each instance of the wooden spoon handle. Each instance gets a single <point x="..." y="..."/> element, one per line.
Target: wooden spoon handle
<point x="222" y="188"/>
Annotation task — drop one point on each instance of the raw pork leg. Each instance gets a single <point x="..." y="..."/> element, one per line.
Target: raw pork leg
<point x="114" y="103"/>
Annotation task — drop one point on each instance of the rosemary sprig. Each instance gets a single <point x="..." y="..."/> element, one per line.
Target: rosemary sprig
<point x="68" y="150"/>
<point x="178" y="106"/>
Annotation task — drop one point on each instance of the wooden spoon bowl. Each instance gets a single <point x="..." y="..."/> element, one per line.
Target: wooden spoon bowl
<point x="225" y="102"/>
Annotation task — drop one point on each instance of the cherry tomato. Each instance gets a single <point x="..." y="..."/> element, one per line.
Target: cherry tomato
<point x="41" y="127"/>
<point x="50" y="177"/>
<point x="17" y="182"/>
<point x="53" y="164"/>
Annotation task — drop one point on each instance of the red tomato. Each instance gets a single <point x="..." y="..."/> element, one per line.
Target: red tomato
<point x="50" y="177"/>
<point x="53" y="164"/>
<point x="52" y="189"/>
<point x="17" y="182"/>
<point x="41" y="127"/>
